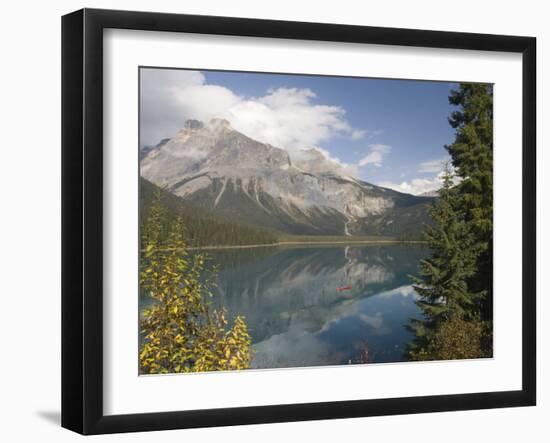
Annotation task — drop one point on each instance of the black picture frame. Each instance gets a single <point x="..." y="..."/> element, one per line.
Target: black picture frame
<point x="82" y="219"/>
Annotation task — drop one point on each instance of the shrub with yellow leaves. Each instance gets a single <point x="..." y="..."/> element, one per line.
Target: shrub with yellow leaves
<point x="180" y="331"/>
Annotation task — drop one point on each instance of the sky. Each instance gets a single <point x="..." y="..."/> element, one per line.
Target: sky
<point x="387" y="132"/>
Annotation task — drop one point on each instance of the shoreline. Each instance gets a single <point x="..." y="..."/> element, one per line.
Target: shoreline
<point x="302" y="243"/>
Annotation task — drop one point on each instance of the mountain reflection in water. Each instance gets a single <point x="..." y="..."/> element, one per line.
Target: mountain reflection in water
<point x="297" y="317"/>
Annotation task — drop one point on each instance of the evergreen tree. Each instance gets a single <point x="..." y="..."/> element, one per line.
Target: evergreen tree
<point x="181" y="333"/>
<point x="442" y="284"/>
<point x="455" y="283"/>
<point x="472" y="158"/>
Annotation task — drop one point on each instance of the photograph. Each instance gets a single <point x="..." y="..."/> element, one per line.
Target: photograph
<point x="298" y="220"/>
<point x="267" y="222"/>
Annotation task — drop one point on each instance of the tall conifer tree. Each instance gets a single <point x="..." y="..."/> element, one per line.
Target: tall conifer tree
<point x="455" y="283"/>
<point x="442" y="284"/>
<point x="472" y="158"/>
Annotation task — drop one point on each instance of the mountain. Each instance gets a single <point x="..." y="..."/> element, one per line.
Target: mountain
<point x="214" y="167"/>
<point x="432" y="193"/>
<point x="146" y="149"/>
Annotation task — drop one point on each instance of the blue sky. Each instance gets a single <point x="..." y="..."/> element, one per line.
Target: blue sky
<point x="388" y="132"/>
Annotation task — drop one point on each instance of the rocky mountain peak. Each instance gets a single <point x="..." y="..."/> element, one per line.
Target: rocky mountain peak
<point x="216" y="128"/>
<point x="212" y="165"/>
<point x="215" y="124"/>
<point x="219" y="123"/>
<point x="193" y="124"/>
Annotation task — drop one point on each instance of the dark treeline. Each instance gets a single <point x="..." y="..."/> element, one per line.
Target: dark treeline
<point x="455" y="282"/>
<point x="202" y="228"/>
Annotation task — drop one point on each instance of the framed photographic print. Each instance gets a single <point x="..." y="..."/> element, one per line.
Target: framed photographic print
<point x="269" y="221"/>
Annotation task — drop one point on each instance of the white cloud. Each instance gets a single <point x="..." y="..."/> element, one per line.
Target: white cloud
<point x="204" y="102"/>
<point x="318" y="161"/>
<point x="432" y="165"/>
<point x="358" y="134"/>
<point x="416" y="186"/>
<point x="160" y="114"/>
<point x="422" y="185"/>
<point x="375" y="155"/>
<point x="285" y="117"/>
<point x="370" y="133"/>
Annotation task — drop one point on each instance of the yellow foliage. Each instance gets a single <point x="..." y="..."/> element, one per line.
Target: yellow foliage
<point x="181" y="333"/>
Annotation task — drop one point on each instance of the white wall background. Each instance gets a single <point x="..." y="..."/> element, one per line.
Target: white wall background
<point x="30" y="218"/>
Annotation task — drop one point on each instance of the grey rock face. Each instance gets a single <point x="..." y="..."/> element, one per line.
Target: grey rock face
<point x="216" y="167"/>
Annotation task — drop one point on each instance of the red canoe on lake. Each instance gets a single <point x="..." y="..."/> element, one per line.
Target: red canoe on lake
<point x="344" y="288"/>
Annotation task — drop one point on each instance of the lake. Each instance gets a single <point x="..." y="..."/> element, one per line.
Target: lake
<point x="297" y="316"/>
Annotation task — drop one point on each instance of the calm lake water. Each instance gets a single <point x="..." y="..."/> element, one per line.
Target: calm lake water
<point x="295" y="313"/>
